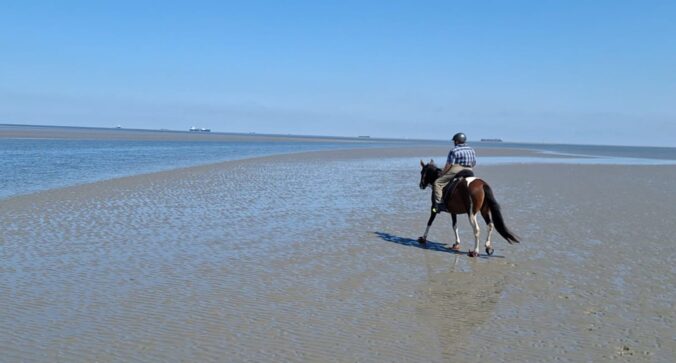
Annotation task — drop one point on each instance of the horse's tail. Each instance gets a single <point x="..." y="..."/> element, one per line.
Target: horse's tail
<point x="498" y="221"/>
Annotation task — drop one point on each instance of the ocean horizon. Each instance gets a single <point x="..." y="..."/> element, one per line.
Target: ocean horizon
<point x="33" y="164"/>
<point x="88" y="132"/>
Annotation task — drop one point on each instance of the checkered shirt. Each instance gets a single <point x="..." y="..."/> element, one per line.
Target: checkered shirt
<point x="463" y="155"/>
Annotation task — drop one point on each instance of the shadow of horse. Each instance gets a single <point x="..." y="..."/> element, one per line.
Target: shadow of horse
<point x="429" y="245"/>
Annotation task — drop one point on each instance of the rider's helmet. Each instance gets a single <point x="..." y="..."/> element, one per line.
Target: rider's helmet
<point x="459" y="138"/>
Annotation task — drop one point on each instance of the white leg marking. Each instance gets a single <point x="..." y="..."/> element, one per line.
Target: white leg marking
<point x="457" y="235"/>
<point x="475" y="227"/>
<point x="490" y="232"/>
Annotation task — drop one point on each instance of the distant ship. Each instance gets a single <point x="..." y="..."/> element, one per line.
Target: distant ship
<point x="491" y="140"/>
<point x="195" y="129"/>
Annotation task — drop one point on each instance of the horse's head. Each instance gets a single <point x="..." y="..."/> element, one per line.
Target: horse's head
<point x="428" y="174"/>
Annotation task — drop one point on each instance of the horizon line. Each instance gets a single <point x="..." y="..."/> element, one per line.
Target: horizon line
<point x="491" y="141"/>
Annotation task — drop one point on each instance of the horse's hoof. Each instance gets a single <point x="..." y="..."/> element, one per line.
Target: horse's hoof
<point x="456" y="247"/>
<point x="472" y="254"/>
<point x="422" y="240"/>
<point x="489" y="251"/>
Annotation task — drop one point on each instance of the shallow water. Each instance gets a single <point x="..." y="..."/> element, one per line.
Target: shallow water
<point x="30" y="165"/>
<point x="612" y="151"/>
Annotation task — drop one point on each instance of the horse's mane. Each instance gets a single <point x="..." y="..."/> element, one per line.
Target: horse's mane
<point x="435" y="167"/>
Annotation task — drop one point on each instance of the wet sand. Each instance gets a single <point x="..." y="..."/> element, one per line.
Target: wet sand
<point x="312" y="257"/>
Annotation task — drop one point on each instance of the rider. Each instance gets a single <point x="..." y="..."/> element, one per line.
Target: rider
<point x="459" y="158"/>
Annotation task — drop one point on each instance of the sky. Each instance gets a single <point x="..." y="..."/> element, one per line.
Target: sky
<point x="580" y="72"/>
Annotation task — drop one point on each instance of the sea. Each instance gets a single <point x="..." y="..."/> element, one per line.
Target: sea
<point x="30" y="165"/>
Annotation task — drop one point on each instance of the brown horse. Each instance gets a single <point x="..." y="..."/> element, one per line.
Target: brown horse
<point x="471" y="196"/>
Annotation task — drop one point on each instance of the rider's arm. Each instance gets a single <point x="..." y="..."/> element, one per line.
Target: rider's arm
<point x="449" y="162"/>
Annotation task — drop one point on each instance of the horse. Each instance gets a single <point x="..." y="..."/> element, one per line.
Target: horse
<point x="471" y="196"/>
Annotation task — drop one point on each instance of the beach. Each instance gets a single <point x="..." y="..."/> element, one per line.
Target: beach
<point x="313" y="257"/>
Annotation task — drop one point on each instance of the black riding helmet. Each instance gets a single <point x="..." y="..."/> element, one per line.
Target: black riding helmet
<point x="459" y="138"/>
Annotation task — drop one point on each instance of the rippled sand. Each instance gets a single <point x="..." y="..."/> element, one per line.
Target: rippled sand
<point x="312" y="257"/>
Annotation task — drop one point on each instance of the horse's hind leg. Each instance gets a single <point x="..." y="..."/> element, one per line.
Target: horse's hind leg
<point x="456" y="245"/>
<point x="487" y="217"/>
<point x="475" y="228"/>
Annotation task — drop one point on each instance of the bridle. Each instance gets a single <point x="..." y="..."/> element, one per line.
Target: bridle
<point x="423" y="177"/>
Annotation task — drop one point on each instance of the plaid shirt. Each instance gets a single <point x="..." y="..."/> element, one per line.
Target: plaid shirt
<point x="463" y="155"/>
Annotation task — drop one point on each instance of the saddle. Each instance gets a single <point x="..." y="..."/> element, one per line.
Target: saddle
<point x="450" y="187"/>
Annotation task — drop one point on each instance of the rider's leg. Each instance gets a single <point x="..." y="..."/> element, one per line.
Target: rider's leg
<point x="442" y="181"/>
<point x="439" y="185"/>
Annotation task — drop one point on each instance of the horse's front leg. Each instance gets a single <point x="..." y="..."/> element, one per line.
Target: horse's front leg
<point x="475" y="227"/>
<point x="423" y="239"/>
<point x="456" y="245"/>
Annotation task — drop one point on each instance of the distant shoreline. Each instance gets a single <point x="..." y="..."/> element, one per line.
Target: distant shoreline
<point x="46" y="132"/>
<point x="113" y="133"/>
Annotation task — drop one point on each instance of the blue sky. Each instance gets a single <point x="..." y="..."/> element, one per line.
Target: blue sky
<point x="599" y="72"/>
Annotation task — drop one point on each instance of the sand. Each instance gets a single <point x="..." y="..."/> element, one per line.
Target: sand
<point x="312" y="257"/>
